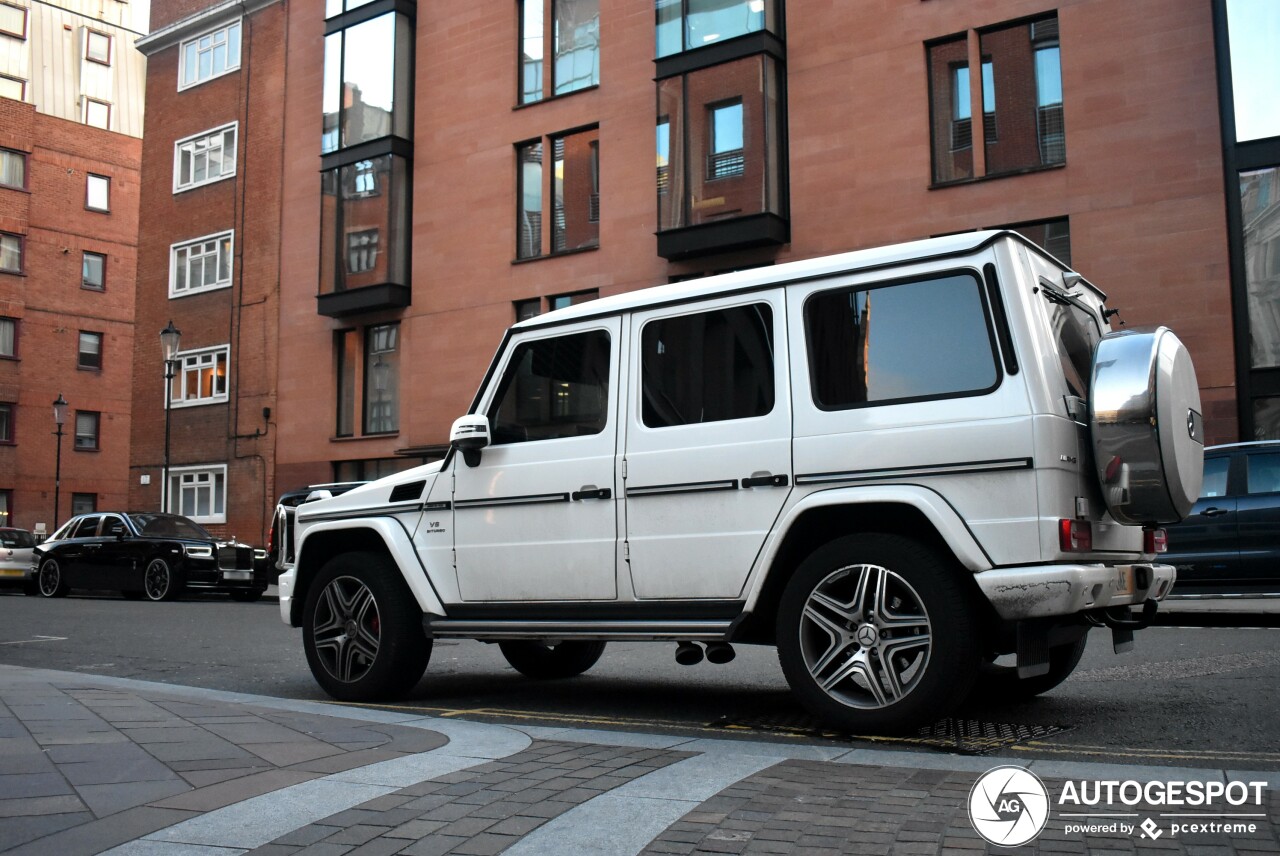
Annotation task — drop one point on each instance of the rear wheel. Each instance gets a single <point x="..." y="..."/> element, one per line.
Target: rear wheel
<point x="876" y="634"/>
<point x="362" y="629"/>
<point x="50" y="581"/>
<point x="544" y="662"/>
<point x="1002" y="682"/>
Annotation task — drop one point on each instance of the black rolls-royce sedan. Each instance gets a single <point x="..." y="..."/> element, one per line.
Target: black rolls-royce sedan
<point x="151" y="555"/>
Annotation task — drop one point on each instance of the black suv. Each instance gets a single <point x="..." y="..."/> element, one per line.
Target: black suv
<point x="1230" y="543"/>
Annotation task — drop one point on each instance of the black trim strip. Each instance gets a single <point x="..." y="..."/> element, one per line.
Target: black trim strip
<point x="687" y="487"/>
<point x="438" y="506"/>
<point x="372" y="511"/>
<point x="532" y="499"/>
<point x="959" y="468"/>
<point x="1002" y="320"/>
<point x="641" y="610"/>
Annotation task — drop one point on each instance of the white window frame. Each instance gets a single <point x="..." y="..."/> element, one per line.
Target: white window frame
<point x="26" y="22"/>
<point x="225" y="31"/>
<point x="89" y="35"/>
<point x="176" y="489"/>
<point x="103" y="184"/>
<point x="175" y="249"/>
<point x="199" y="361"/>
<point x="89" y="104"/>
<point x="201" y="144"/>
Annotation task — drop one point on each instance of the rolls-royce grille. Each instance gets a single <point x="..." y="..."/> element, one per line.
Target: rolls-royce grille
<point x="235" y="558"/>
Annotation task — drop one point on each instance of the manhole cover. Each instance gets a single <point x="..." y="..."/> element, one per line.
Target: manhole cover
<point x="964" y="736"/>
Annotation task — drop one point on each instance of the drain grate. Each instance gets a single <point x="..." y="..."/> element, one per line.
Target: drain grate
<point x="962" y="736"/>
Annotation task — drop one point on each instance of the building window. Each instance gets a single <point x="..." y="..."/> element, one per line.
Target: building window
<point x="526" y="309"/>
<point x="1260" y="212"/>
<point x="575" y="193"/>
<point x="565" y="33"/>
<point x="199" y="493"/>
<point x="9" y="338"/>
<point x="13" y="87"/>
<point x="364" y="234"/>
<point x="961" y="107"/>
<point x="685" y="25"/>
<point x="11" y="247"/>
<point x="97" y="114"/>
<point x="210" y="55"/>
<point x="201" y="377"/>
<point x="1053" y="236"/>
<point x="83" y="503"/>
<point x="346" y="363"/>
<point x="97" y="47"/>
<point x="376" y="468"/>
<point x="98" y="193"/>
<point x="362" y="250"/>
<point x="205" y="158"/>
<point x="1252" y="26"/>
<point x="89" y="352"/>
<point x="200" y="265"/>
<point x="382" y="379"/>
<point x="7" y="411"/>
<point x="367" y="82"/>
<point x="725" y="126"/>
<point x="13" y="169"/>
<point x="13" y="20"/>
<point x="93" y="271"/>
<point x="6" y="507"/>
<point x="87" y="424"/>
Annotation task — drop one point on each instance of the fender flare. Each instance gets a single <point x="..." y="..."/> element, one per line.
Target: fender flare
<point x="944" y="519"/>
<point x="399" y="545"/>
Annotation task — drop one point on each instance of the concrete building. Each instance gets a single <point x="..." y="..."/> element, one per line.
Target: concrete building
<point x="71" y="116"/>
<point x="425" y="174"/>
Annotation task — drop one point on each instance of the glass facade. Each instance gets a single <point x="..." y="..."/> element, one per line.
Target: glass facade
<point x="684" y="25"/>
<point x="367" y="82"/>
<point x="382" y="379"/>
<point x="1254" y="30"/>
<point x="364" y="225"/>
<point x="571" y="29"/>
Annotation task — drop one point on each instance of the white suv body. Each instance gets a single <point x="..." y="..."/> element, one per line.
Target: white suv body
<point x="894" y="464"/>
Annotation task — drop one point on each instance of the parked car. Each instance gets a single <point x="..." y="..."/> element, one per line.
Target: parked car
<point x="16" y="546"/>
<point x="895" y="465"/>
<point x="1230" y="542"/>
<point x="151" y="555"/>
<point x="279" y="556"/>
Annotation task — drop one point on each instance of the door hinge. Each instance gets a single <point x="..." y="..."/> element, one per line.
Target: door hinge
<point x="626" y="551"/>
<point x="624" y="468"/>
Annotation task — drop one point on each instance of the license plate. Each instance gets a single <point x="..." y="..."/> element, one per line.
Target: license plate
<point x="1124" y="581"/>
<point x="12" y="573"/>
<point x="237" y="575"/>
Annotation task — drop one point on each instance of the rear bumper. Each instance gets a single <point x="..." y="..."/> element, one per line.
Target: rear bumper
<point x="1045" y="591"/>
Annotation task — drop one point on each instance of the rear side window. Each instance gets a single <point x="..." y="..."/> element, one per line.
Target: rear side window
<point x="1215" y="477"/>
<point x="88" y="527"/>
<point x="899" y="342"/>
<point x="1076" y="331"/>
<point x="1264" y="474"/>
<point x="707" y="367"/>
<point x="553" y="388"/>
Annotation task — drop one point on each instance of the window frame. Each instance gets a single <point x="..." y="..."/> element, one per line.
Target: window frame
<point x="85" y="283"/>
<point x="21" y="83"/>
<point x="927" y="276"/>
<point x="174" y="492"/>
<point x="80" y="351"/>
<point x="89" y="33"/>
<point x="96" y="416"/>
<point x="88" y="192"/>
<point x="11" y="422"/>
<point x="26" y="22"/>
<point x="238" y="24"/>
<point x="177" y="401"/>
<point x="714" y="155"/>
<point x="368" y="358"/>
<point x="218" y="133"/>
<point x="215" y="238"/>
<point x="547" y="61"/>
<point x="21" y="269"/>
<point x="17" y="327"/>
<point x="22" y="156"/>
<point x="80" y="495"/>
<point x="88" y="106"/>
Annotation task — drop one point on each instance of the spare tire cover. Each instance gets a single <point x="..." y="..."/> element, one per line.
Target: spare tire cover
<point x="1148" y="435"/>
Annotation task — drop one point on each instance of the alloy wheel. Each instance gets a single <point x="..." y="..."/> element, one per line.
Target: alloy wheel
<point x="157" y="579"/>
<point x="348" y="629"/>
<point x="50" y="578"/>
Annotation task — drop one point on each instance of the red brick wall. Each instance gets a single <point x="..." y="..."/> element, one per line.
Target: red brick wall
<point x="53" y="308"/>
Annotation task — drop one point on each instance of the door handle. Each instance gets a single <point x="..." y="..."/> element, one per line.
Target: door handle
<point x="590" y="491"/>
<point x="764" y="480"/>
<point x="1214" y="512"/>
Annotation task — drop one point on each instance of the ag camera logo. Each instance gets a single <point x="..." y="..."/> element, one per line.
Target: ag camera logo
<point x="1008" y="806"/>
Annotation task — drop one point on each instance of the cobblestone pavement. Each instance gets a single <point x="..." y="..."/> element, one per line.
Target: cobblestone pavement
<point x="101" y="765"/>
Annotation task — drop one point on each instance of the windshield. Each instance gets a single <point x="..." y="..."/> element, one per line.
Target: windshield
<point x="1076" y="330"/>
<point x="168" y="526"/>
<point x="16" y="538"/>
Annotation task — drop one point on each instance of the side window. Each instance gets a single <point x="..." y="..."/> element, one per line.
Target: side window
<point x="112" y="525"/>
<point x="1215" y="477"/>
<point x="906" y="341"/>
<point x="553" y="388"/>
<point x="1264" y="474"/>
<point x="88" y="527"/>
<point x="707" y="367"/>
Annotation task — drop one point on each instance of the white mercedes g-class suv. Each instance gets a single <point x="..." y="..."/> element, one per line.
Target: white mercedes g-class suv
<point x="895" y="465"/>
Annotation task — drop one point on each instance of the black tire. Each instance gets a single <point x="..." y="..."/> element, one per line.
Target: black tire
<point x="132" y="594"/>
<point x="1003" y="683"/>
<point x="544" y="662"/>
<point x="364" y="593"/>
<point x="160" y="581"/>
<point x="49" y="580"/>
<point x="246" y="595"/>
<point x="833" y="622"/>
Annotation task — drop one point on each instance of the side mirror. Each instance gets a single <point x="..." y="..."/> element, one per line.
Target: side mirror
<point x="469" y="435"/>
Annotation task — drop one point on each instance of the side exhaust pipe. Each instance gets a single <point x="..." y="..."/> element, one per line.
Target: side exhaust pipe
<point x="720" y="652"/>
<point x="688" y="653"/>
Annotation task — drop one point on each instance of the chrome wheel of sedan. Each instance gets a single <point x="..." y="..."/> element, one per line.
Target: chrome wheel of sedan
<point x="348" y="629"/>
<point x="50" y="579"/>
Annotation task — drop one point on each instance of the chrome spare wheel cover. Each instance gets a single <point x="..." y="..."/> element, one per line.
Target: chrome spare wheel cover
<point x="347" y="629"/>
<point x="157" y="579"/>
<point x="865" y="636"/>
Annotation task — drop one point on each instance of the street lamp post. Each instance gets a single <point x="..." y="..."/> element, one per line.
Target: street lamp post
<point x="170" y="338"/>
<point x="59" y="417"/>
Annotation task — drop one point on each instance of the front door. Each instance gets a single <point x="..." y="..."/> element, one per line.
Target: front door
<point x="537" y="518"/>
<point x="708" y="444"/>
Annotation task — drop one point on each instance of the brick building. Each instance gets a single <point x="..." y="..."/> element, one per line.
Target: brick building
<point x="429" y="173"/>
<point x="71" y="116"/>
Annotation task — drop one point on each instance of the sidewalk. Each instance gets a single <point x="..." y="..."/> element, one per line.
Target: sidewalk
<point x="92" y="765"/>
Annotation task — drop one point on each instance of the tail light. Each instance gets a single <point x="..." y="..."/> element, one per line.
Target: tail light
<point x="1155" y="541"/>
<point x="1075" y="536"/>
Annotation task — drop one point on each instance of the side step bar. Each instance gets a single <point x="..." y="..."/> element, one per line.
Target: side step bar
<point x="714" y="630"/>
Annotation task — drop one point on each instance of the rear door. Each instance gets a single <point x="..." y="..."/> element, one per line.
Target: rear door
<point x="1258" y="519"/>
<point x="1204" y="547"/>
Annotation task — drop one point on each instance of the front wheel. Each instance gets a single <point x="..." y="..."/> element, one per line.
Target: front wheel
<point x="876" y="634"/>
<point x="362" y="629"/>
<point x="50" y="580"/>
<point x="544" y="662"/>
<point x="159" y="582"/>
